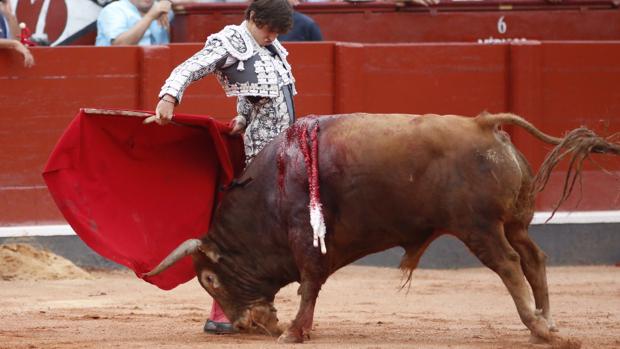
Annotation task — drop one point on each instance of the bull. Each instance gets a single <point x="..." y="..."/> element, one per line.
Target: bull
<point x="383" y="181"/>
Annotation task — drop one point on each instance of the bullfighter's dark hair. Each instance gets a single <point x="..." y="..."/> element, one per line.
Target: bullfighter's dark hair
<point x="277" y="15"/>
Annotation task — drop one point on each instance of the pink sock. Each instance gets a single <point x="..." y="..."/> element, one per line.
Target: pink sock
<point x="217" y="314"/>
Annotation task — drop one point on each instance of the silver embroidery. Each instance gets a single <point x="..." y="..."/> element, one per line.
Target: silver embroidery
<point x="236" y="41"/>
<point x="196" y="67"/>
<point x="266" y="117"/>
<point x="270" y="84"/>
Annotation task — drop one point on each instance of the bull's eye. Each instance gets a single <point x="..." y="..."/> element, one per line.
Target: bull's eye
<point x="209" y="279"/>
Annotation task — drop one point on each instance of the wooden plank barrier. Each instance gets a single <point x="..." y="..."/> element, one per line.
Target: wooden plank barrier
<point x="406" y="22"/>
<point x="556" y="85"/>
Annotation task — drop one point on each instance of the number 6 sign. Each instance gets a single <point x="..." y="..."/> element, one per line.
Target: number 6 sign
<point x="501" y="25"/>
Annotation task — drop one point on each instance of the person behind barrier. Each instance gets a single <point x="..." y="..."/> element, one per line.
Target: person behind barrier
<point x="304" y="27"/>
<point x="250" y="64"/>
<point x="9" y="33"/>
<point x="134" y="22"/>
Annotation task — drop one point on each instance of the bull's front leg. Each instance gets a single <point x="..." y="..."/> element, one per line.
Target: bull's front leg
<point x="301" y="326"/>
<point x="313" y="269"/>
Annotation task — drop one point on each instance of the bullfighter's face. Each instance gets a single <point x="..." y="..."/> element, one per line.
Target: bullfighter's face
<point x="249" y="316"/>
<point x="263" y="35"/>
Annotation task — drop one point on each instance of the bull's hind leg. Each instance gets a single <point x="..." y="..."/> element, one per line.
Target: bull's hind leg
<point x="494" y="251"/>
<point x="533" y="263"/>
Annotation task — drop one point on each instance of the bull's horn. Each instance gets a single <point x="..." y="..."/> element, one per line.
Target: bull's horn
<point x="186" y="248"/>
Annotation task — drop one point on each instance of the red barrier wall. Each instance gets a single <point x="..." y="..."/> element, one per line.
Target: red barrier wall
<point x="449" y="21"/>
<point x="561" y="86"/>
<point x="556" y="85"/>
<point x="73" y="22"/>
<point x="423" y="78"/>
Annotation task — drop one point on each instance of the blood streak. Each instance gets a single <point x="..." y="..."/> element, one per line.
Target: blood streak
<point x="299" y="133"/>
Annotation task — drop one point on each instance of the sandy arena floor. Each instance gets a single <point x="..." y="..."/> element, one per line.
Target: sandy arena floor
<point x="359" y="307"/>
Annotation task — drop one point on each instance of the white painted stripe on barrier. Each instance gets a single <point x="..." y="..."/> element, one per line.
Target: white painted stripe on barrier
<point x="578" y="217"/>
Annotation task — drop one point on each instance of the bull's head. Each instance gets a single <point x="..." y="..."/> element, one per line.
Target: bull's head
<point x="249" y="308"/>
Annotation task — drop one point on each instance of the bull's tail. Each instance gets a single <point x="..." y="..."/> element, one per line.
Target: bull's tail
<point x="493" y="120"/>
<point x="184" y="249"/>
<point x="578" y="144"/>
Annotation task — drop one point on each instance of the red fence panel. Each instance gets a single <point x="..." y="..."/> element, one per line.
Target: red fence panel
<point x="37" y="105"/>
<point x="556" y="85"/>
<point x="448" y="21"/>
<point x="421" y="78"/>
<point x="560" y="86"/>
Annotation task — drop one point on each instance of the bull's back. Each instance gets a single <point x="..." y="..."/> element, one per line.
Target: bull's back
<point x="385" y="180"/>
<point x="391" y="175"/>
<point x="390" y="138"/>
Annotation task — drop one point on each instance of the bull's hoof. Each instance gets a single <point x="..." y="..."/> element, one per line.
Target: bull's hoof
<point x="534" y="339"/>
<point x="552" y="326"/>
<point x="565" y="343"/>
<point x="550" y="322"/>
<point x="289" y="337"/>
<point x="557" y="342"/>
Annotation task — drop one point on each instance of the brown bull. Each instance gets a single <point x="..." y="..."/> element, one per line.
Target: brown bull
<point x="385" y="181"/>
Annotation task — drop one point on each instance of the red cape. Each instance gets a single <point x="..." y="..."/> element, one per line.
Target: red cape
<point x="134" y="192"/>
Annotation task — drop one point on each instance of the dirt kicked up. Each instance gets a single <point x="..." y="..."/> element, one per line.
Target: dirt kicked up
<point x="359" y="307"/>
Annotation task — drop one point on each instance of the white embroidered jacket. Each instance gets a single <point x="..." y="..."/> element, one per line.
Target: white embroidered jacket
<point x="242" y="67"/>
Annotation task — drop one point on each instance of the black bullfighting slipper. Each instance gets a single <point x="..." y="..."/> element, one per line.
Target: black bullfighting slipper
<point x="214" y="327"/>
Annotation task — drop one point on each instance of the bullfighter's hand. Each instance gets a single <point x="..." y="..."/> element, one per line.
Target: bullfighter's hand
<point x="238" y="125"/>
<point x="426" y="2"/>
<point x="163" y="112"/>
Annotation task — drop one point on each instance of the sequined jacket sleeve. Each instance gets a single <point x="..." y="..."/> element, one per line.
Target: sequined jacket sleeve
<point x="204" y="62"/>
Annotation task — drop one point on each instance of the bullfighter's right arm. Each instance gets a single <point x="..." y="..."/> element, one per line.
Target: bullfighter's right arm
<point x="204" y="62"/>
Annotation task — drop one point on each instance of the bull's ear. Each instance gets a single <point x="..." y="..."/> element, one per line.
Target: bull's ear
<point x="211" y="251"/>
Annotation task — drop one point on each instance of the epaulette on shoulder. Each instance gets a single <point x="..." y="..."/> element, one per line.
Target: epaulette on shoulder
<point x="236" y="41"/>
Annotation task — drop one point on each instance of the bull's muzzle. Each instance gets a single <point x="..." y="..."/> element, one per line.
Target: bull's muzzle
<point x="259" y="319"/>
